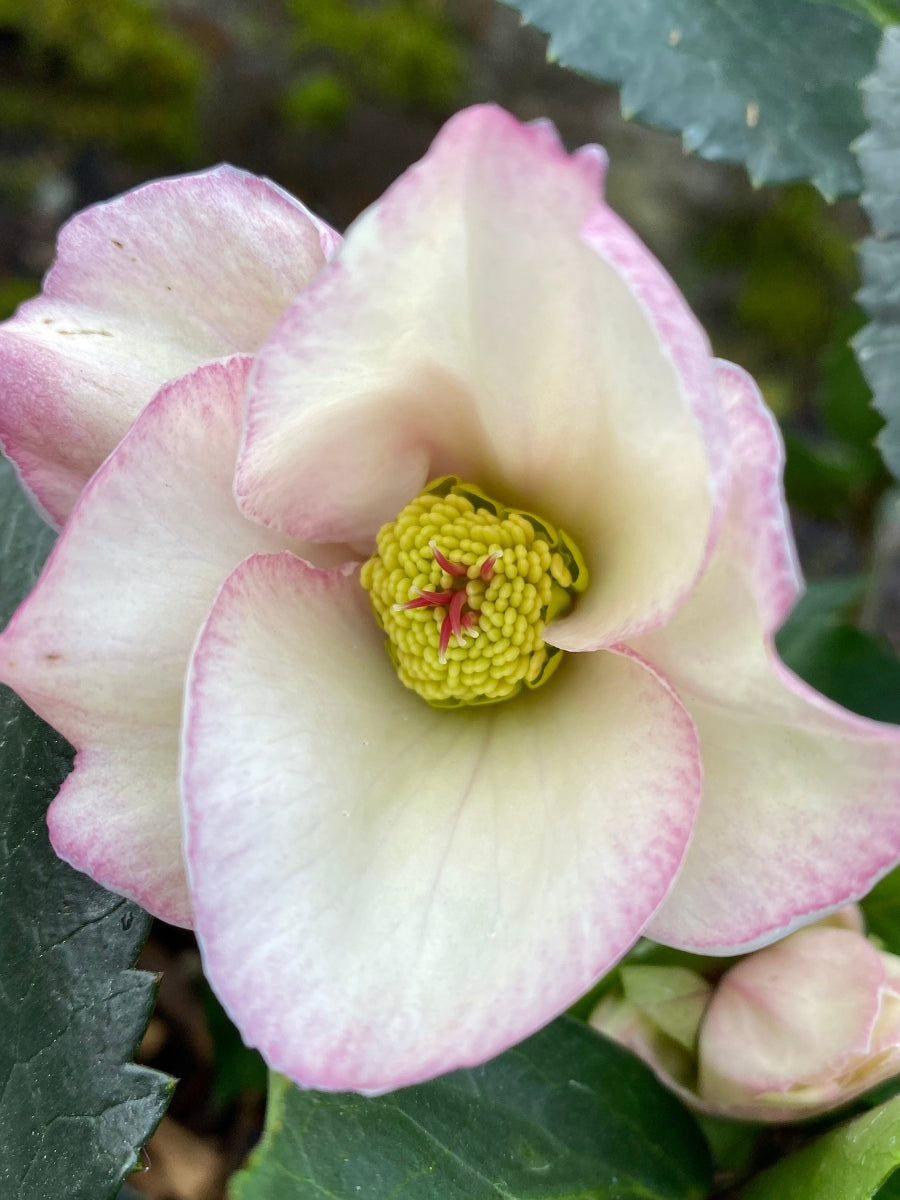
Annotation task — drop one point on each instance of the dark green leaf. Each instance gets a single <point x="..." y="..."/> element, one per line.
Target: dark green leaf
<point x="880" y="1094"/>
<point x="772" y="84"/>
<point x="732" y="1143"/>
<point x="73" y="1114"/>
<point x="239" y="1070"/>
<point x="846" y="398"/>
<point x="25" y="542"/>
<point x="850" y="1163"/>
<point x="837" y="473"/>
<point x="878" y="345"/>
<point x="891" y="1189"/>
<point x="567" y="1114"/>
<point x="882" y="12"/>
<point x="882" y="911"/>
<point x="859" y="671"/>
<point x="855" y="669"/>
<point x="823" y="477"/>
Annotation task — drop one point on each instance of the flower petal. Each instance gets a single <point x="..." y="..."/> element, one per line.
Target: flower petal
<point x="886" y="1035"/>
<point x="794" y="1015"/>
<point x="144" y="288"/>
<point x="801" y="806"/>
<point x="384" y="891"/>
<point x="491" y="318"/>
<point x="117" y="818"/>
<point x="100" y="647"/>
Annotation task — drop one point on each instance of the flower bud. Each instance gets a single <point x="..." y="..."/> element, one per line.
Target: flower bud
<point x="791" y="1031"/>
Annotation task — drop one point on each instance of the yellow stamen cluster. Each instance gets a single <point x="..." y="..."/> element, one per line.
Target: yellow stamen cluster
<point x="517" y="573"/>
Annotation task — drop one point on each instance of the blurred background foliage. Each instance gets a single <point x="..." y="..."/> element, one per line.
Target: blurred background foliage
<point x="333" y="98"/>
<point x="406" y="51"/>
<point x="110" y="73"/>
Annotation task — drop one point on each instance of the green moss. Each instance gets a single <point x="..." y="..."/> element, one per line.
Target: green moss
<point x="317" y="101"/>
<point x="796" y="265"/>
<point x="403" y="50"/>
<point x="13" y="291"/>
<point x="106" y="71"/>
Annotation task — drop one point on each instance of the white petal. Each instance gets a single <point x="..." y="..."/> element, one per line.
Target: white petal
<point x="384" y="891"/>
<point x="801" y="805"/>
<point x="490" y="317"/>
<point x="100" y="647"/>
<point x="144" y="288"/>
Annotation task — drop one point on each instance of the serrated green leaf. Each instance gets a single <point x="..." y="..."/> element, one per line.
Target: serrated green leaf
<point x="878" y="345"/>
<point x="566" y="1115"/>
<point x="73" y="1112"/>
<point x="849" y="1163"/>
<point x="768" y="83"/>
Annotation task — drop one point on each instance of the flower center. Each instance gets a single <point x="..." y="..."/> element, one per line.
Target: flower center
<point x="463" y="588"/>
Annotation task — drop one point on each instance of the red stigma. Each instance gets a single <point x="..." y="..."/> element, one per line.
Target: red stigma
<point x="457" y="622"/>
<point x="487" y="567"/>
<point x="456" y="605"/>
<point x="446" y="631"/>
<point x="429" y="600"/>
<point x="452" y="568"/>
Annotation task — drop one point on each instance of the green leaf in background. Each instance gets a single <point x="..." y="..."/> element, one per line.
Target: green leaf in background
<point x="882" y="911"/>
<point x="567" y="1114"/>
<point x="882" y="12"/>
<point x="238" y="1069"/>
<point x="849" y="1163"/>
<point x="891" y="1189"/>
<point x="878" y="345"/>
<point x="836" y="473"/>
<point x="851" y="667"/>
<point x="772" y="84"/>
<point x="114" y="74"/>
<point x="73" y="1114"/>
<point x="846" y="399"/>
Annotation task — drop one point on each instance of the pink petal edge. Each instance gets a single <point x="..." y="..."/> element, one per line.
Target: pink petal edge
<point x="145" y="287"/>
<point x="263" y="916"/>
<point x="100" y="647"/>
<point x="782" y="859"/>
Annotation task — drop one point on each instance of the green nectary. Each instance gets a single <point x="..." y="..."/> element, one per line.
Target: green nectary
<point x="463" y="587"/>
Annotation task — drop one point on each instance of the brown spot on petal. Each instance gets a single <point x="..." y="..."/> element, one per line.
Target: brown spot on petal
<point x="116" y="243"/>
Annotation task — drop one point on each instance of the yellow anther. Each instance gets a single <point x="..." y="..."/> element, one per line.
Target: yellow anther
<point x="463" y="588"/>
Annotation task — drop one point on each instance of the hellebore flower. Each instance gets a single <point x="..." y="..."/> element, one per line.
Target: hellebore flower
<point x="582" y="553"/>
<point x="790" y="1032"/>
